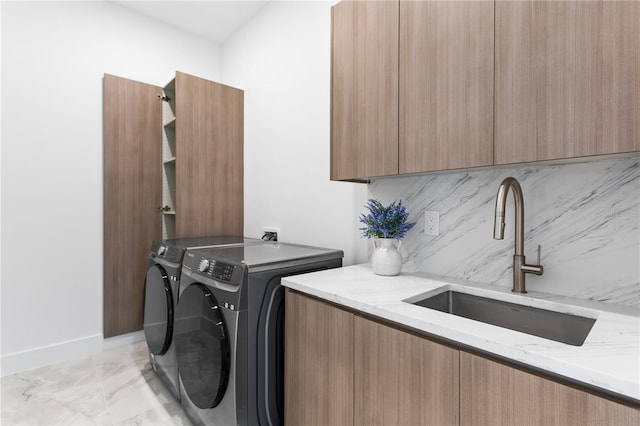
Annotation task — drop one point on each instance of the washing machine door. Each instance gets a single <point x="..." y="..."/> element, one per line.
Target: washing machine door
<point x="158" y="310"/>
<point x="202" y="346"/>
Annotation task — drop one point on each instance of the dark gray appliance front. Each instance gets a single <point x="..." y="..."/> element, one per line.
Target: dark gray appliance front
<point x="265" y="336"/>
<point x="252" y="286"/>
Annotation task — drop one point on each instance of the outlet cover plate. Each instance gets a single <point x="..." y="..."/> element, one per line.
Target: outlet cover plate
<point x="431" y="223"/>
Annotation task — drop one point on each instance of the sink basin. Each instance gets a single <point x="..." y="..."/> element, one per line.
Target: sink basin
<point x="561" y="327"/>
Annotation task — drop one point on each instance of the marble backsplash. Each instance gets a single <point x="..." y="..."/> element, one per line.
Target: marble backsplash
<point x="586" y="217"/>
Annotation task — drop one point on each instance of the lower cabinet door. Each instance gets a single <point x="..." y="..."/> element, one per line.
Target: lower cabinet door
<point x="494" y="394"/>
<point x="318" y="363"/>
<point x="403" y="379"/>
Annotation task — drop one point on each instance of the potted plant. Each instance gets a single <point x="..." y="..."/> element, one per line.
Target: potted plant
<point x="387" y="225"/>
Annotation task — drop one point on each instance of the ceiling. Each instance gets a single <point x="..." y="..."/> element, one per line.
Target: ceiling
<point x="215" y="20"/>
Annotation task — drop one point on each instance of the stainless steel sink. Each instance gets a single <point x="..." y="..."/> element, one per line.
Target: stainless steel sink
<point x="561" y="327"/>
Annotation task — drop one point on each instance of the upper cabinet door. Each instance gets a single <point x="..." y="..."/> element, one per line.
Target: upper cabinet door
<point x="446" y="85"/>
<point x="364" y="95"/>
<point x="567" y="79"/>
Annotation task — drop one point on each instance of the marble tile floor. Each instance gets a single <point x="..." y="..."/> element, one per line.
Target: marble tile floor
<point x="115" y="387"/>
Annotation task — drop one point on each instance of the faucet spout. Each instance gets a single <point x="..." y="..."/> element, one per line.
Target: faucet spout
<point x="519" y="265"/>
<point x="501" y="202"/>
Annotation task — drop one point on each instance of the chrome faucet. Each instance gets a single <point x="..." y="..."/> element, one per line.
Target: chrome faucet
<point x="519" y="266"/>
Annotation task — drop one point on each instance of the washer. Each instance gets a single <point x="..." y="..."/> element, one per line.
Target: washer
<point x="161" y="297"/>
<point x="229" y="330"/>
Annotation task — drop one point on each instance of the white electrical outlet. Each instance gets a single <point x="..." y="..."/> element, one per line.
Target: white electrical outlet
<point x="431" y="223"/>
<point x="271" y="229"/>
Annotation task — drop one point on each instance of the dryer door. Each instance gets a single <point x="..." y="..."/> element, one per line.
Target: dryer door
<point x="158" y="310"/>
<point x="202" y="346"/>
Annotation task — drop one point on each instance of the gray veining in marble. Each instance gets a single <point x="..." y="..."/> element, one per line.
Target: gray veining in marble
<point x="111" y="388"/>
<point x="586" y="217"/>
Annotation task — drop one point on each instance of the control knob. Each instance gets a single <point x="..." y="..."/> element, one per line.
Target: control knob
<point x="161" y="250"/>
<point x="204" y="265"/>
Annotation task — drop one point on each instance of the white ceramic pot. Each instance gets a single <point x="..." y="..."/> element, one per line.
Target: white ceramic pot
<point x="386" y="259"/>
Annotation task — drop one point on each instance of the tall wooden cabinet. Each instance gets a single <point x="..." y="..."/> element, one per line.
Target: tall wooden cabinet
<point x="173" y="168"/>
<point x="567" y="79"/>
<point x="132" y="192"/>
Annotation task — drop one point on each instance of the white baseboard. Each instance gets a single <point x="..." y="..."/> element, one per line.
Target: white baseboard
<point x="65" y="351"/>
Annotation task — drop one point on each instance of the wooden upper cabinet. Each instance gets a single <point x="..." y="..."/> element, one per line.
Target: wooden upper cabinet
<point x="209" y="158"/>
<point x="446" y="85"/>
<point x="364" y="89"/>
<point x="567" y="79"/>
<point x="495" y="394"/>
<point x="419" y="86"/>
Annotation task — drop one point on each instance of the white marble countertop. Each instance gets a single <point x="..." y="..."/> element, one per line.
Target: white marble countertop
<point x="609" y="359"/>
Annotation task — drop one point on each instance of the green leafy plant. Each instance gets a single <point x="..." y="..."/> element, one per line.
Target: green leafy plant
<point x="385" y="221"/>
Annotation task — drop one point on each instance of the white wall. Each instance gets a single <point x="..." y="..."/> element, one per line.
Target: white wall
<point x="282" y="61"/>
<point x="54" y="56"/>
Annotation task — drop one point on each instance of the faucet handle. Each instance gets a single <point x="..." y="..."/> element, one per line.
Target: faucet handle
<point x="533" y="269"/>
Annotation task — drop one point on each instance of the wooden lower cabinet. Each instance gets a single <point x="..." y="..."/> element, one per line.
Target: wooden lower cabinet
<point x="344" y="369"/>
<point x="494" y="394"/>
<point x="402" y="379"/>
<point x="318" y="363"/>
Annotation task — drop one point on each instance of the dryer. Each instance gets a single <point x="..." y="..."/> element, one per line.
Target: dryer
<point x="229" y="330"/>
<point x="161" y="297"/>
